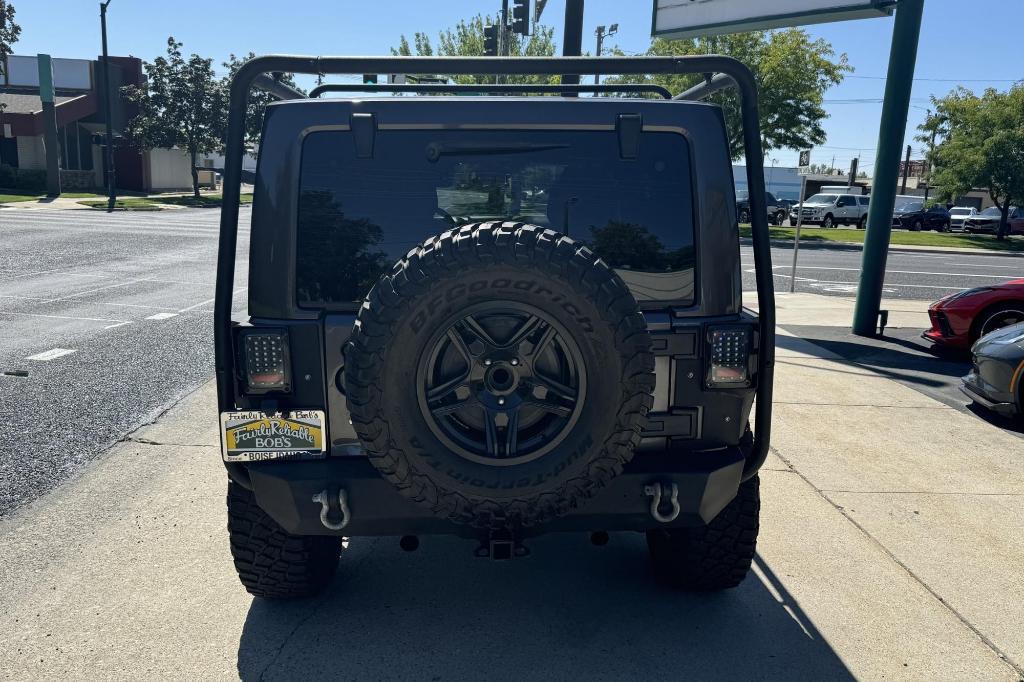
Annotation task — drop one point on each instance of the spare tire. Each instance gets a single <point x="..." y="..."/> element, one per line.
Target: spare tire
<point x="499" y="375"/>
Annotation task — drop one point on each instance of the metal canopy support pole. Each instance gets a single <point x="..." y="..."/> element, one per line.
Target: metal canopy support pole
<point x="893" y="126"/>
<point x="572" y="39"/>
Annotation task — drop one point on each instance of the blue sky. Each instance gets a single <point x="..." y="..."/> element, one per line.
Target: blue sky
<point x="978" y="45"/>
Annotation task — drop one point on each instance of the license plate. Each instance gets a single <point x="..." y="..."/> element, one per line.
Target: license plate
<point x="255" y="436"/>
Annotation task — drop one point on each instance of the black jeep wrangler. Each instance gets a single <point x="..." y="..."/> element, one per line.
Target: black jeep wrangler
<point x="493" y="317"/>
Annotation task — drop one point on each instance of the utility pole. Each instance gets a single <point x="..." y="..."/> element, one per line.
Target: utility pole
<point x="109" y="156"/>
<point x="931" y="169"/>
<point x="603" y="33"/>
<point x="906" y="172"/>
<point x="572" y="39"/>
<point x="906" y="33"/>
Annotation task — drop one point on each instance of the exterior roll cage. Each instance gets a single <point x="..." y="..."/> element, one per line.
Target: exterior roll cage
<point x="487" y="89"/>
<point x="243" y="81"/>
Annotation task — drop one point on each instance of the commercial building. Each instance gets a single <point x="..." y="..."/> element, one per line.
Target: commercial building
<point x="81" y="121"/>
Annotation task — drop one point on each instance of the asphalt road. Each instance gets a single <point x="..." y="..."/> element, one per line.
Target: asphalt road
<point x="926" y="275"/>
<point x="110" y="317"/>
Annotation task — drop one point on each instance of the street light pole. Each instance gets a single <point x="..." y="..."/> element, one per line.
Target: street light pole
<point x="109" y="156"/>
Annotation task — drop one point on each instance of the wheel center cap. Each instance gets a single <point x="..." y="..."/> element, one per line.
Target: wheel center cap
<point x="501" y="379"/>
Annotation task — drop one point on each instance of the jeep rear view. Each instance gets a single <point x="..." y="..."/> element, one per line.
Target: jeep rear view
<point x="493" y="317"/>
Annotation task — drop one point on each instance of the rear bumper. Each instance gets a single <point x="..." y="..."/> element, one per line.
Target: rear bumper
<point x="706" y="481"/>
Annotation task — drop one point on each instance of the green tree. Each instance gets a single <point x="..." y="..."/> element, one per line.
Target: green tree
<point x="183" y="105"/>
<point x="980" y="144"/>
<point x="466" y="39"/>
<point x="258" y="99"/>
<point x="792" y="73"/>
<point x="9" y="32"/>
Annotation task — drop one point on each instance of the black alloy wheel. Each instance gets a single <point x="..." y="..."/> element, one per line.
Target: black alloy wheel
<point x="502" y="383"/>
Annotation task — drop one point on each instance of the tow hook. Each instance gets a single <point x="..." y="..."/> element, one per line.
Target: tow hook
<point x="658" y="492"/>
<point x="324" y="498"/>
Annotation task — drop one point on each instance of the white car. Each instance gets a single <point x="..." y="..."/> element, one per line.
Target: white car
<point x="830" y="210"/>
<point x="958" y="215"/>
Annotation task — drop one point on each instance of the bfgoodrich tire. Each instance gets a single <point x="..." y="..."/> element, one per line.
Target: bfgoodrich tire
<point x="713" y="557"/>
<point x="500" y="375"/>
<point x="270" y="562"/>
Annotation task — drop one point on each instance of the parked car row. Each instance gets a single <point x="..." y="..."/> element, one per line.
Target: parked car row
<point x="831" y="209"/>
<point x="990" y="322"/>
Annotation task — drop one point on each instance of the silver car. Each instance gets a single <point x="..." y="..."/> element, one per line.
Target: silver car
<point x="958" y="215"/>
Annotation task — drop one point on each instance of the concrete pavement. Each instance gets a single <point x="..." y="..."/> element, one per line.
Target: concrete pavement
<point x="890" y="548"/>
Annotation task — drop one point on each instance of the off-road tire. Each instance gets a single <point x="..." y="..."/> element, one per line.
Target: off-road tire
<point x="270" y="562"/>
<point x="713" y="557"/>
<point x="439" y="279"/>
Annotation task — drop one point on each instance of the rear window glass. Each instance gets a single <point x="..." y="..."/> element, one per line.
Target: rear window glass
<point x="357" y="216"/>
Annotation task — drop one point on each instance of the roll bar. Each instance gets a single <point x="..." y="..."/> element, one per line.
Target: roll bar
<point x="242" y="83"/>
<point x="486" y="88"/>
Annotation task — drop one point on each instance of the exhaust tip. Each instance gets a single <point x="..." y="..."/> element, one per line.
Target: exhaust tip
<point x="410" y="543"/>
<point x="599" y="538"/>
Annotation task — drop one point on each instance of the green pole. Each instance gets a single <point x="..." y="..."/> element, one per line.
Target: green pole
<point x="902" y="58"/>
<point x="51" y="143"/>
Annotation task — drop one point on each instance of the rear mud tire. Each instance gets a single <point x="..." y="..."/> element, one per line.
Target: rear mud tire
<point x="461" y="270"/>
<point x="713" y="557"/>
<point x="272" y="563"/>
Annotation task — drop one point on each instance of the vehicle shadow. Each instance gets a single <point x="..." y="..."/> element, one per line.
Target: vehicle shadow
<point x="890" y="356"/>
<point x="570" y="611"/>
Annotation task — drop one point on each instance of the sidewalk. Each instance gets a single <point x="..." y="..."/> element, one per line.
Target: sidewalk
<point x="891" y="547"/>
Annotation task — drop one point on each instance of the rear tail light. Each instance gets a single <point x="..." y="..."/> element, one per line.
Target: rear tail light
<point x="265" y="360"/>
<point x="728" y="357"/>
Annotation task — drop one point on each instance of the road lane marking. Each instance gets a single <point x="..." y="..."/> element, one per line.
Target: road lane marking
<point x="51" y="354"/>
<point x="92" y="291"/>
<point x="898" y="272"/>
<point x="162" y="316"/>
<point x="821" y="283"/>
<point x="115" y="326"/>
<point x="52" y="300"/>
<point x="210" y="300"/>
<point x="63" y="317"/>
<point x="46" y="272"/>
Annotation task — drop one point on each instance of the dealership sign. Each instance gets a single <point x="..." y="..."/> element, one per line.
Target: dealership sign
<point x="692" y="18"/>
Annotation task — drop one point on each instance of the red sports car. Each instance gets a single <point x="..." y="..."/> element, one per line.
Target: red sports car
<point x="960" y="319"/>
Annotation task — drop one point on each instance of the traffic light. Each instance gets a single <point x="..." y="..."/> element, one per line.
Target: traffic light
<point x="521" y="17"/>
<point x="491" y="41"/>
<point x="369" y="79"/>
